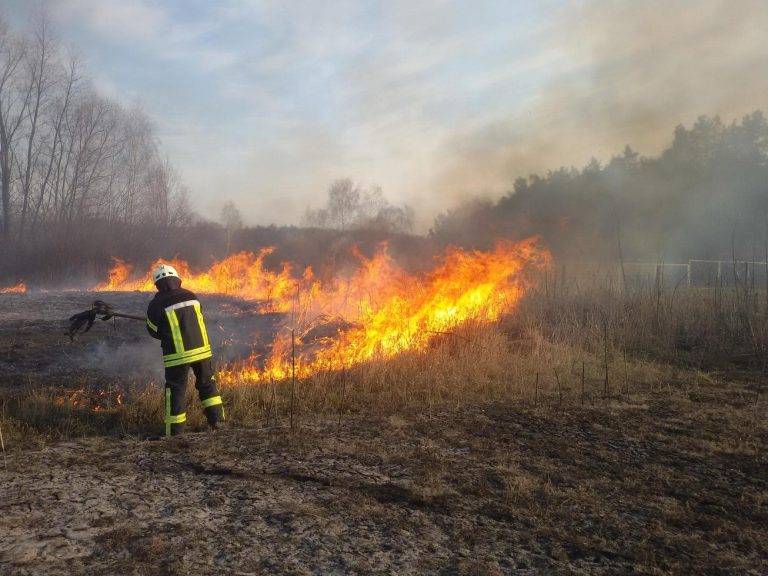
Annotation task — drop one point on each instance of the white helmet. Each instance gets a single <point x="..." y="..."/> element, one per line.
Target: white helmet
<point x="164" y="271"/>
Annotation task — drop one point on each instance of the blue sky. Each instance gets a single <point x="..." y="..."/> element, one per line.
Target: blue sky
<point x="265" y="102"/>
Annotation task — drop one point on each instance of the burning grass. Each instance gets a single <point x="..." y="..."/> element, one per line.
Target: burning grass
<point x="387" y="311"/>
<point x="577" y="431"/>
<point x="476" y="329"/>
<point x="476" y="363"/>
<point x="243" y="275"/>
<point x="20" y="288"/>
<point x="492" y="449"/>
<point x="393" y="312"/>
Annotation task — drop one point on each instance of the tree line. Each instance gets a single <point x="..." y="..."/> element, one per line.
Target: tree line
<point x="351" y="207"/>
<point x="704" y="196"/>
<point x="70" y="156"/>
<point x="83" y="178"/>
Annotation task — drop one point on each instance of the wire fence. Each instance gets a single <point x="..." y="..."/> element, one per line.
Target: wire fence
<point x="662" y="275"/>
<point x="728" y="273"/>
<point x="706" y="273"/>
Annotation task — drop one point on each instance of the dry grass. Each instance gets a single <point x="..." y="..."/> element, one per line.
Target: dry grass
<point x="579" y="435"/>
<point x="573" y="347"/>
<point x="674" y="484"/>
<point x="702" y="328"/>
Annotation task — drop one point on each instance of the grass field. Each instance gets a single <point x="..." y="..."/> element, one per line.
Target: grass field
<point x="595" y="430"/>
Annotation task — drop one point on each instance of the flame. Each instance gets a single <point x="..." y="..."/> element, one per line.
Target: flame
<point x="19" y="288"/>
<point x="397" y="311"/>
<point x="242" y="275"/>
<point x="383" y="309"/>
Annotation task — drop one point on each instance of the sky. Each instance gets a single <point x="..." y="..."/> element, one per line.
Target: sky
<point x="266" y="102"/>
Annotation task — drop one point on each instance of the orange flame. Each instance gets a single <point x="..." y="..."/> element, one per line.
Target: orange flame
<point x="19" y="288"/>
<point x="397" y="311"/>
<point x="242" y="275"/>
<point x="386" y="309"/>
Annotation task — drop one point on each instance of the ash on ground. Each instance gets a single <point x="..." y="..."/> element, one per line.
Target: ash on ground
<point x="117" y="354"/>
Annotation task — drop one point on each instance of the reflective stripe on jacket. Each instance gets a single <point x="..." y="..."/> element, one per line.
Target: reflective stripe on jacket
<point x="175" y="318"/>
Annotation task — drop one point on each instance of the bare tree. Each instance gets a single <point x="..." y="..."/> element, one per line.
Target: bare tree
<point x="14" y="99"/>
<point x="53" y="145"/>
<point x="343" y="203"/>
<point x="232" y="221"/>
<point x="41" y="78"/>
<point x="348" y="207"/>
<point x="78" y="171"/>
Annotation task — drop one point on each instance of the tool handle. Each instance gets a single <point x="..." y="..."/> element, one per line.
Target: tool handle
<point x="129" y="316"/>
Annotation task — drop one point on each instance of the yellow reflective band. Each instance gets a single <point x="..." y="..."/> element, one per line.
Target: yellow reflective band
<point x="179" y="359"/>
<point x="201" y="322"/>
<point x="188" y="353"/>
<point x="212" y="401"/>
<point x="177" y="419"/>
<point x="182" y="361"/>
<point x="173" y="321"/>
<point x="152" y="326"/>
<point x="167" y="411"/>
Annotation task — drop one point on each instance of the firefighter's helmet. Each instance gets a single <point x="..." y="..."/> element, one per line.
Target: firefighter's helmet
<point x="164" y="271"/>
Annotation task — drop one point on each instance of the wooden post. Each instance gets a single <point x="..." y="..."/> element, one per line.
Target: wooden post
<point x="765" y="272"/>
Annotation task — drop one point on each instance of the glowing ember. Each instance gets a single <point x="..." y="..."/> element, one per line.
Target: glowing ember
<point x="19" y="288"/>
<point x="95" y="401"/>
<point x="385" y="309"/>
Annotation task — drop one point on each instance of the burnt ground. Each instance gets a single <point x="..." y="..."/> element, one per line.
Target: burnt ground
<point x="113" y="355"/>
<point x="671" y="481"/>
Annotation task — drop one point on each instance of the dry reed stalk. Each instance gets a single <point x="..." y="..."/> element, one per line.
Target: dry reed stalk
<point x="2" y="444"/>
<point x="342" y="375"/>
<point x="293" y="374"/>
<point x="273" y="405"/>
<point x="605" y="356"/>
<point x="626" y="372"/>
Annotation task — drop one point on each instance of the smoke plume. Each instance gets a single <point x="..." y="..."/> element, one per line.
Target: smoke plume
<point x="621" y="72"/>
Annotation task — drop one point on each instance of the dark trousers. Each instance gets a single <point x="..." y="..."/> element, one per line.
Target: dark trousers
<point x="176" y="390"/>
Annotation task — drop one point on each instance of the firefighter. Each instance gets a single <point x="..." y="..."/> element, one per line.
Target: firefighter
<point x="174" y="317"/>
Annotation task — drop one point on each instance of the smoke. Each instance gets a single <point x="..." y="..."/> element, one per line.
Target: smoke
<point x="620" y="72"/>
<point x="124" y="353"/>
<point x="135" y="361"/>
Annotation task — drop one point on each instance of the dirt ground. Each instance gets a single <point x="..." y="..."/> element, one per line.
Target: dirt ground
<point x="669" y="481"/>
<point x="675" y="484"/>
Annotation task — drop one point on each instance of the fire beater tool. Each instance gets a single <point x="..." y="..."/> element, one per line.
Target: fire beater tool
<point x="81" y="322"/>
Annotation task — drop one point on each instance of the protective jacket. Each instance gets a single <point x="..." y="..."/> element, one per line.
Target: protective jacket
<point x="174" y="317"/>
